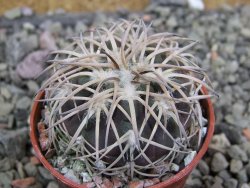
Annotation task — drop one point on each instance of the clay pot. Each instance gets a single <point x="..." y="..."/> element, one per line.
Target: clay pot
<point x="176" y="181"/>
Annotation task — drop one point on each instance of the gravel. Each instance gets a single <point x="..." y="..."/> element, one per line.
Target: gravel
<point x="224" y="52"/>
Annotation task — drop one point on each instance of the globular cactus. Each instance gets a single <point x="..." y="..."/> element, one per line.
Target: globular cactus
<point x="125" y="100"/>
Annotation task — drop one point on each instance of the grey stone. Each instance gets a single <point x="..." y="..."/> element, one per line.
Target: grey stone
<point x="30" y="169"/>
<point x="32" y="86"/>
<point x="247" y="167"/>
<point x="245" y="185"/>
<point x="13" y="142"/>
<point x="6" y="164"/>
<point x="80" y="27"/>
<point x="242" y="176"/>
<point x="193" y="183"/>
<point x="19" y="45"/>
<point x="3" y="66"/>
<point x="235" y="152"/>
<point x="19" y="167"/>
<point x="6" y="108"/>
<point x="235" y="165"/>
<point x="231" y="183"/>
<point x="6" y="178"/>
<point x="224" y="174"/>
<point x="233" y="134"/>
<point x="28" y="26"/>
<point x="11" y="121"/>
<point x="23" y="103"/>
<point x="52" y="184"/>
<point x="232" y="67"/>
<point x="45" y="173"/>
<point x="219" y="162"/>
<point x="245" y="32"/>
<point x="246" y="85"/>
<point x="13" y="13"/>
<point x="172" y="22"/>
<point x="196" y="173"/>
<point x="219" y="143"/>
<point x="5" y="92"/>
<point x="203" y="167"/>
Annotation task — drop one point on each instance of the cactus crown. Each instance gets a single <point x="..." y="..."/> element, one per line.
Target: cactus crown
<point x="125" y="100"/>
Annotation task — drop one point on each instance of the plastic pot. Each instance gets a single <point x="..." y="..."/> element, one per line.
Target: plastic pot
<point x="176" y="181"/>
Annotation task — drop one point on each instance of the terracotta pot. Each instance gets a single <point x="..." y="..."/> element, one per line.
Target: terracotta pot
<point x="177" y="181"/>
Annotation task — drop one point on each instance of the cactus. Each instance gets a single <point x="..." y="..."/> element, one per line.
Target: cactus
<point x="125" y="100"/>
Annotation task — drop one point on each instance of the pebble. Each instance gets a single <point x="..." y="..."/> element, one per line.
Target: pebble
<point x="30" y="169"/>
<point x="219" y="162"/>
<point x="242" y="176"/>
<point x="13" y="13"/>
<point x="6" y="108"/>
<point x="23" y="103"/>
<point x="231" y="183"/>
<point x="45" y="173"/>
<point x="245" y="32"/>
<point x="6" y="164"/>
<point x="235" y="152"/>
<point x="235" y="165"/>
<point x="14" y="142"/>
<point x="52" y="184"/>
<point x="203" y="167"/>
<point x="20" y="170"/>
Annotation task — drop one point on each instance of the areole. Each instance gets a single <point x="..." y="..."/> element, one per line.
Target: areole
<point x="176" y="181"/>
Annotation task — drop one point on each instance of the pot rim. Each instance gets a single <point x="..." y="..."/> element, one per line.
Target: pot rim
<point x="177" y="177"/>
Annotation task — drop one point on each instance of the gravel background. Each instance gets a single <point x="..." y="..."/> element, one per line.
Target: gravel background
<point x="26" y="39"/>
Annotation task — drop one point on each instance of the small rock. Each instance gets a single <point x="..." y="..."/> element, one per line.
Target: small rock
<point x="6" y="108"/>
<point x="245" y="32"/>
<point x="6" y="93"/>
<point x="13" y="13"/>
<point x="32" y="65"/>
<point x="219" y="143"/>
<point x="224" y="174"/>
<point x="3" y="66"/>
<point x="203" y="167"/>
<point x="193" y="182"/>
<point x="219" y="162"/>
<point x="151" y="182"/>
<point x="80" y="27"/>
<point x="196" y="4"/>
<point x="136" y="184"/>
<point x="6" y="164"/>
<point x="242" y="176"/>
<point x="28" y="26"/>
<point x="26" y="11"/>
<point x="32" y="86"/>
<point x="97" y="179"/>
<point x="52" y="184"/>
<point x="34" y="160"/>
<point x="23" y="183"/>
<point x="47" y="41"/>
<point x="246" y="133"/>
<point x="6" y="179"/>
<point x="232" y="134"/>
<point x="30" y="169"/>
<point x="196" y="173"/>
<point x="45" y="173"/>
<point x="235" y="165"/>
<point x="70" y="175"/>
<point x="13" y="142"/>
<point x="106" y="183"/>
<point x="231" y="183"/>
<point x="172" y="22"/>
<point x="23" y="103"/>
<point x="245" y="185"/>
<point x="20" y="171"/>
<point x="235" y="152"/>
<point x="117" y="182"/>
